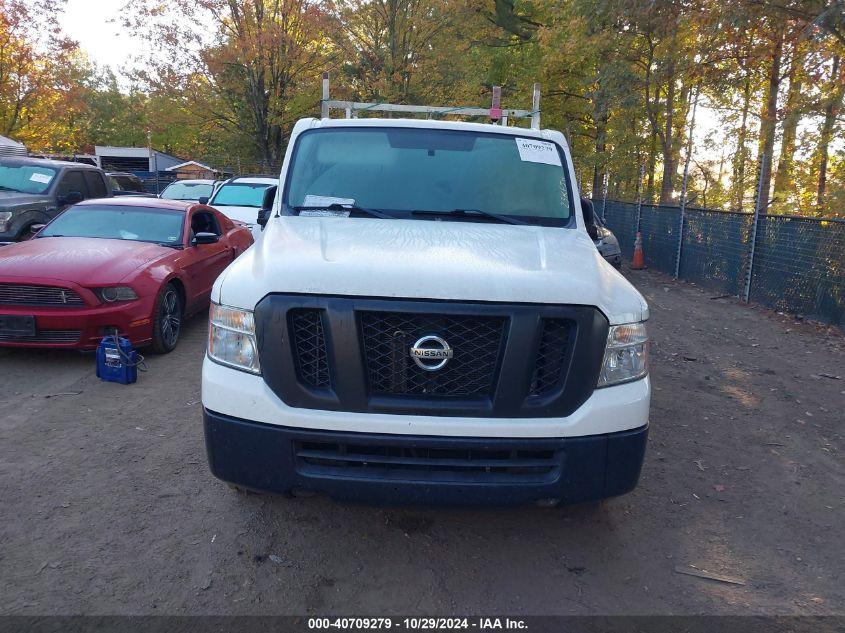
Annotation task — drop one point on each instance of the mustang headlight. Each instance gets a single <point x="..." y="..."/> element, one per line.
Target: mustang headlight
<point x="231" y="338"/>
<point x="626" y="354"/>
<point x="112" y="294"/>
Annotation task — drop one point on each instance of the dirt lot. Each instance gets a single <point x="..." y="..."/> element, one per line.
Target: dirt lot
<point x="107" y="505"/>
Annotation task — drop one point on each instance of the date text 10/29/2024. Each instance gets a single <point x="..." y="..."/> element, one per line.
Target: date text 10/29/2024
<point x="418" y="624"/>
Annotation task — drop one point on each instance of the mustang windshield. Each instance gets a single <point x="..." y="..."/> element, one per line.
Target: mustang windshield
<point x="431" y="172"/>
<point x="139" y="224"/>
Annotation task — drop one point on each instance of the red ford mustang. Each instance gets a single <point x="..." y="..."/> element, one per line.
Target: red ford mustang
<point x="137" y="266"/>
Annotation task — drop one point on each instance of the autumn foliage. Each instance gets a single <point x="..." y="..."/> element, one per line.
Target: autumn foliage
<point x="619" y="77"/>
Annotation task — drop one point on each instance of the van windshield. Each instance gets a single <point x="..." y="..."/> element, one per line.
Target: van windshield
<point x="405" y="170"/>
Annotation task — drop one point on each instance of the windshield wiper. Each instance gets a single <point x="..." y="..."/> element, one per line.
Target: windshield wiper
<point x="3" y="188"/>
<point x="342" y="207"/>
<point x="464" y="213"/>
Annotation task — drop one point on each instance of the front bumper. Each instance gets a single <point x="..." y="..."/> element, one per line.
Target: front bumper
<point x="411" y="469"/>
<point x="83" y="327"/>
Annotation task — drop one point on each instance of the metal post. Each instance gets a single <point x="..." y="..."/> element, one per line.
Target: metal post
<point x="535" y="108"/>
<point x="605" y="182"/>
<point x="150" y="150"/>
<point x="684" y="185"/>
<point x="324" y="104"/>
<point x="750" y="269"/>
<point x="496" y="105"/>
<point x="640" y="198"/>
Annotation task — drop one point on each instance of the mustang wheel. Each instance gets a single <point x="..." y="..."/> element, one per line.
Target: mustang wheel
<point x="167" y="325"/>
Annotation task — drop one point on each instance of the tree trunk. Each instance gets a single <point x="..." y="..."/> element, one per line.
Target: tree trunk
<point x="831" y="111"/>
<point x="601" y="155"/>
<point x="669" y="160"/>
<point x="784" y="184"/>
<point x="740" y="159"/>
<point x="768" y="122"/>
<point x="651" y="167"/>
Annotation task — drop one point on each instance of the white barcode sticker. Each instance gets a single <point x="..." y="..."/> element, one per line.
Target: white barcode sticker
<point x="532" y="150"/>
<point x="323" y="213"/>
<point x="42" y="178"/>
<point x="327" y="201"/>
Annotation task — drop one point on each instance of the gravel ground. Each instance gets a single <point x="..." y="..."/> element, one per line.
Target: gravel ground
<point x="107" y="505"/>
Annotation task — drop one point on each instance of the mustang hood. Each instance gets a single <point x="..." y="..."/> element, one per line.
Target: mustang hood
<point x="77" y="259"/>
<point x="416" y="259"/>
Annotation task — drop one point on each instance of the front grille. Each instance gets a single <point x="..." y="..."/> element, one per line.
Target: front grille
<point x="45" y="336"/>
<point x="18" y="294"/>
<point x="309" y="340"/>
<point x="476" y="342"/>
<point x="386" y="461"/>
<point x="551" y="356"/>
<point x="353" y="354"/>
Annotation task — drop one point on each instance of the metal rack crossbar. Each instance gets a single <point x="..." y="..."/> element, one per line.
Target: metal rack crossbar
<point x="496" y="113"/>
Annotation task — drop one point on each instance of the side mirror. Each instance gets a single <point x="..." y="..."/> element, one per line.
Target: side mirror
<point x="35" y="228"/>
<point x="205" y="238"/>
<point x="71" y="197"/>
<point x="203" y="200"/>
<point x="267" y="205"/>
<point x="590" y="218"/>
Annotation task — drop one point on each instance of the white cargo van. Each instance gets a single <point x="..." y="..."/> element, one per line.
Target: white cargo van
<point x="426" y="320"/>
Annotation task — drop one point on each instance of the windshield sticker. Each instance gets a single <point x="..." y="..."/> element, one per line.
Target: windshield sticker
<point x="323" y="213"/>
<point x="327" y="201"/>
<point x="533" y="151"/>
<point x="42" y="178"/>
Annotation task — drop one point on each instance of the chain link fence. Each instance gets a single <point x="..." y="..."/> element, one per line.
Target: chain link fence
<point x="797" y="264"/>
<point x="224" y="166"/>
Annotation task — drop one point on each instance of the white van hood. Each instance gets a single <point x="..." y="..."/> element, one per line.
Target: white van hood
<point x="419" y="259"/>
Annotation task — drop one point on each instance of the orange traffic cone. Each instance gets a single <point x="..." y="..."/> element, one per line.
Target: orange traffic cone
<point x="638" y="263"/>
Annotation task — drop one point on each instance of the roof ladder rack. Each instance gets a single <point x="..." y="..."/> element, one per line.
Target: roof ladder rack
<point x="495" y="112"/>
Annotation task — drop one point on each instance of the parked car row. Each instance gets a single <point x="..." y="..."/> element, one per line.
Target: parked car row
<point x="130" y="265"/>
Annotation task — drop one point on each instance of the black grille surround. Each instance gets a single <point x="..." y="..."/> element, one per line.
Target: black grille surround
<point x="353" y="354"/>
<point x="32" y="295"/>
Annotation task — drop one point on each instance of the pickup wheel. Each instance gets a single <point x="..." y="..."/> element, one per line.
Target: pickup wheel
<point x="26" y="233"/>
<point x="167" y="320"/>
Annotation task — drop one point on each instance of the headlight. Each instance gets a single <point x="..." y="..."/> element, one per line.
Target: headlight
<point x="626" y="354"/>
<point x="231" y="338"/>
<point x="5" y="221"/>
<point x="112" y="294"/>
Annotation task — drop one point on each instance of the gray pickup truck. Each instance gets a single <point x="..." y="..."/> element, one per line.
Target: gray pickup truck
<point x="34" y="190"/>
